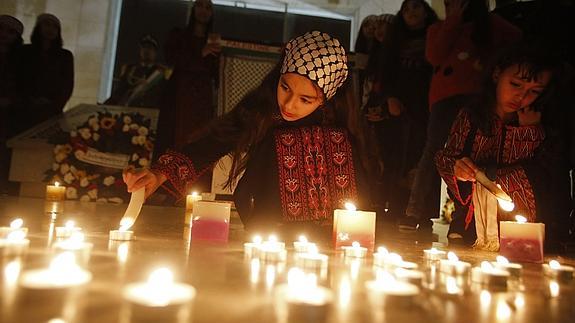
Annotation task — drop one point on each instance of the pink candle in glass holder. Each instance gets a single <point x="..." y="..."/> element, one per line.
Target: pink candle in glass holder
<point x="351" y="225"/>
<point x="521" y="241"/>
<point x="211" y="221"/>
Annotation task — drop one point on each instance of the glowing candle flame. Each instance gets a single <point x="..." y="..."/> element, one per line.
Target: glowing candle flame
<point x="382" y="251"/>
<point x="70" y="224"/>
<point x="312" y="249"/>
<point x="56" y="184"/>
<point x="350" y="206"/>
<point x="554" y="264"/>
<point x="16" y="224"/>
<point x="195" y="194"/>
<point x="273" y="238"/>
<point x="126" y="224"/>
<point x="161" y="277"/>
<point x="502" y="260"/>
<point x="520" y="219"/>
<point x="16" y="235"/>
<point x="554" y="289"/>
<point x="257" y="239"/>
<point x="486" y="266"/>
<point x="302" y="239"/>
<point x="506" y="205"/>
<point x="355" y="244"/>
<point x="452" y="257"/>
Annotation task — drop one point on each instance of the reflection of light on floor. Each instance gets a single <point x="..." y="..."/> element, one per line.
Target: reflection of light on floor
<point x="553" y="289"/>
<point x="451" y="286"/>
<point x="122" y="252"/>
<point x="270" y="276"/>
<point x="254" y="271"/>
<point x="344" y="294"/>
<point x="12" y="272"/>
<point x="354" y="268"/>
<point x="519" y="301"/>
<point x="503" y="311"/>
<point x="485" y="298"/>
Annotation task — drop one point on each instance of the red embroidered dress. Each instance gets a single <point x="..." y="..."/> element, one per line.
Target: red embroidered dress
<point x="299" y="172"/>
<point x="508" y="149"/>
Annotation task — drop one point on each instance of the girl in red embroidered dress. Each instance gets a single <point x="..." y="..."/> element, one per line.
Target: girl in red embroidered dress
<point x="290" y="140"/>
<point x="502" y="132"/>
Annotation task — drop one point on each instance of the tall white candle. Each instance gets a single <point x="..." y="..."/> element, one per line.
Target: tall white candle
<point x="352" y="225"/>
<point x="522" y="241"/>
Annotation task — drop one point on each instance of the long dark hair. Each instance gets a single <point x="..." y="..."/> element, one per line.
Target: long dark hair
<point x="477" y="12"/>
<point x="362" y="44"/>
<point x="531" y="61"/>
<point x="36" y="38"/>
<point x="192" y="20"/>
<point x="430" y="15"/>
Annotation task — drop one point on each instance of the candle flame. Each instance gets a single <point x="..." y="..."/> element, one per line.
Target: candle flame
<point x="486" y="266"/>
<point x="257" y="239"/>
<point x="161" y="277"/>
<point x="16" y="235"/>
<point x="519" y="301"/>
<point x="273" y="238"/>
<point x="56" y="184"/>
<point x="502" y="260"/>
<point x="195" y="194"/>
<point x="302" y="239"/>
<point x="70" y="224"/>
<point x="554" y="264"/>
<point x="16" y="224"/>
<point x="382" y="251"/>
<point x="355" y="244"/>
<point x="553" y="288"/>
<point x="126" y="223"/>
<point x="506" y="205"/>
<point x="520" y="218"/>
<point x="452" y="256"/>
<point x="350" y="206"/>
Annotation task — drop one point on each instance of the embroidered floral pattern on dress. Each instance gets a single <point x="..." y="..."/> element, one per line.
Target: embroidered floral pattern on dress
<point x="316" y="172"/>
<point x="179" y="170"/>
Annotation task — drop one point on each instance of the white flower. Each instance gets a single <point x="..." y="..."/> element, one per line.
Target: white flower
<point x="71" y="193"/>
<point x="85" y="133"/>
<point x="115" y="200"/>
<point x="58" y="148"/>
<point x="127" y="120"/>
<point x="95" y="136"/>
<point x="135" y="140"/>
<point x="143" y="131"/>
<point x="109" y="180"/>
<point x="79" y="154"/>
<point x="96" y="127"/>
<point x="55" y="166"/>
<point x="141" y="140"/>
<point x="73" y="133"/>
<point x="64" y="168"/>
<point x="60" y="157"/>
<point x="93" y="121"/>
<point x="73" y="169"/>
<point x="143" y="162"/>
<point x="102" y="200"/>
<point x="134" y="126"/>
<point x="85" y="198"/>
<point x="93" y="193"/>
<point x="126" y="128"/>
<point x="84" y="182"/>
<point x="135" y="157"/>
<point x="68" y="178"/>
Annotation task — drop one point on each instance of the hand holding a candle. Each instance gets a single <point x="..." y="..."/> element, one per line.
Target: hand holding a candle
<point x="143" y="177"/>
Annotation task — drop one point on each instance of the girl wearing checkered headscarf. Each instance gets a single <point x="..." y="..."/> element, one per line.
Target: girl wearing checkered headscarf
<point x="289" y="138"/>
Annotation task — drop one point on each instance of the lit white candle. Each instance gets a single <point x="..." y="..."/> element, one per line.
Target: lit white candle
<point x="77" y="246"/>
<point x="352" y="225"/>
<point x="355" y="250"/>
<point x="190" y="200"/>
<point x="302" y="244"/>
<point x="272" y="250"/>
<point x="15" y="244"/>
<point x="388" y="292"/>
<point x="122" y="234"/>
<point x="273" y="242"/>
<point x="55" y="192"/>
<point x="522" y="241"/>
<point x="67" y="230"/>
<point x="489" y="276"/>
<point x="251" y="248"/>
<point x="301" y="298"/>
<point x="62" y="273"/>
<point x="555" y="270"/>
<point x="453" y="266"/>
<point x="514" y="270"/>
<point x="379" y="258"/>
<point x="433" y="255"/>
<point x="159" y="298"/>
<point x="311" y="259"/>
<point x="15" y="225"/>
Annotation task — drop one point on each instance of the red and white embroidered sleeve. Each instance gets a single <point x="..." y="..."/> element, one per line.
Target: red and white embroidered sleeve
<point x="179" y="170"/>
<point x="515" y="183"/>
<point x="445" y="158"/>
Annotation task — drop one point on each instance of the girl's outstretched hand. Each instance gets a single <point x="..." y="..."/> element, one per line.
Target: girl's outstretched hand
<point x="143" y="177"/>
<point x="528" y="117"/>
<point x="464" y="169"/>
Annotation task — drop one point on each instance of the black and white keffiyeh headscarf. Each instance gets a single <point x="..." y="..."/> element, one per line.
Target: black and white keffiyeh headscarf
<point x="319" y="57"/>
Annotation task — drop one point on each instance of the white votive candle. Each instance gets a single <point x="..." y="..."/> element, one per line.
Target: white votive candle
<point x="514" y="270"/>
<point x="15" y="244"/>
<point x="489" y="276"/>
<point x="251" y="248"/>
<point x="121" y="235"/>
<point x="15" y="225"/>
<point x="159" y="299"/>
<point x="453" y="266"/>
<point x="555" y="270"/>
<point x="312" y="259"/>
<point x="380" y="257"/>
<point x="433" y="256"/>
<point x="355" y="250"/>
<point x="67" y="230"/>
<point x="302" y="244"/>
<point x="191" y="199"/>
<point x="388" y="292"/>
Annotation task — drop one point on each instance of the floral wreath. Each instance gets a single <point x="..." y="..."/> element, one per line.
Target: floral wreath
<point x="127" y="135"/>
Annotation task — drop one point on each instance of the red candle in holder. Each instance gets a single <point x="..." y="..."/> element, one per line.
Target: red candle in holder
<point x="351" y="225"/>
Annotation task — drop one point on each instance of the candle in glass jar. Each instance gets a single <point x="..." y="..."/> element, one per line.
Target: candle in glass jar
<point x="67" y="230"/>
<point x="15" y="225"/>
<point x="522" y="241"/>
<point x="55" y="192"/>
<point x="557" y="271"/>
<point x="159" y="298"/>
<point x="352" y="225"/>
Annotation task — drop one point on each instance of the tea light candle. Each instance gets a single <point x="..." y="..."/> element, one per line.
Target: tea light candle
<point x="433" y="255"/>
<point x="55" y="192"/>
<point x="352" y="225"/>
<point x="62" y="273"/>
<point x="514" y="270"/>
<point x="355" y="250"/>
<point x="15" y="225"/>
<point x="15" y="244"/>
<point x="251" y="248"/>
<point x="312" y="259"/>
<point x="272" y="252"/>
<point x="67" y="230"/>
<point x="122" y="234"/>
<point x="453" y="266"/>
<point x="302" y="244"/>
<point x="489" y="276"/>
<point x="190" y="200"/>
<point x="76" y="245"/>
<point x="379" y="258"/>
<point x="521" y="241"/>
<point x="557" y="271"/>
<point x="301" y="299"/>
<point x="272" y="242"/>
<point x="159" y="298"/>
<point x="387" y="291"/>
